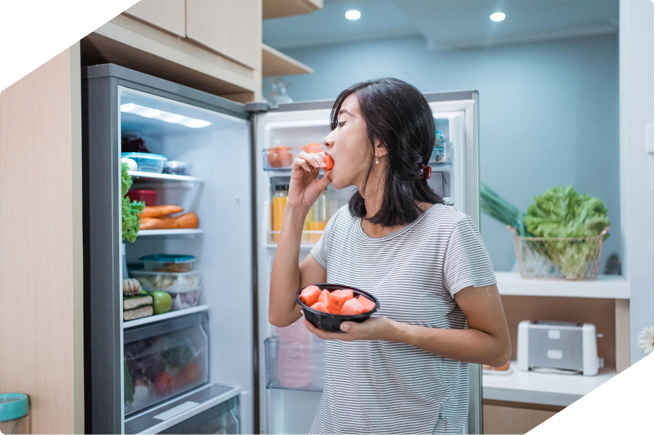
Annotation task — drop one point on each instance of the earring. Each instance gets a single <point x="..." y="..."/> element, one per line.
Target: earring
<point x="376" y="160"/>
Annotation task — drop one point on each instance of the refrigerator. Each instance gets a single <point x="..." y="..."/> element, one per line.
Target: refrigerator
<point x="214" y="364"/>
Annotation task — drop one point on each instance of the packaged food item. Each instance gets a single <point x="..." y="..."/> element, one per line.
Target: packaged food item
<point x="168" y="263"/>
<point x="131" y="287"/>
<point x="186" y="220"/>
<point x="176" y="167"/>
<point x="138" y="313"/>
<point x="170" y="282"/>
<point x="147" y="162"/>
<point x="149" y="197"/>
<point x="319" y="216"/>
<point x="278" y="157"/>
<point x="131" y="303"/>
<point x="185" y="299"/>
<point x="277" y="213"/>
<point x="160" y="211"/>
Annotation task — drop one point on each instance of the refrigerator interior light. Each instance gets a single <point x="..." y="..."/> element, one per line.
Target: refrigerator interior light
<point x="172" y="118"/>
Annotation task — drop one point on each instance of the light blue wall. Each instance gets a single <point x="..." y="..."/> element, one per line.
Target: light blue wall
<point x="549" y="111"/>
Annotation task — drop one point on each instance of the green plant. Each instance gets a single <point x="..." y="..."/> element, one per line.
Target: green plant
<point x="500" y="209"/>
<point x="129" y="210"/>
<point x="561" y="212"/>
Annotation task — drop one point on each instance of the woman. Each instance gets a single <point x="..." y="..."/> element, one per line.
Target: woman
<point x="405" y="370"/>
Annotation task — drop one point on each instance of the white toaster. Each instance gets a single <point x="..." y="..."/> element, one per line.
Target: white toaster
<point x="558" y="346"/>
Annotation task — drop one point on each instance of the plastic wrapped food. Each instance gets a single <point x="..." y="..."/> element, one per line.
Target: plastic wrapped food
<point x="168" y="263"/>
<point x="170" y="282"/>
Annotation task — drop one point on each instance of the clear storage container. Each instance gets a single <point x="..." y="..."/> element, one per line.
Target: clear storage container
<point x="175" y="167"/>
<point x="147" y="162"/>
<point x="185" y="298"/>
<point x="164" y="359"/>
<point x="295" y="365"/>
<point x="170" y="282"/>
<point x="14" y="410"/>
<point x="168" y="263"/>
<point x="279" y="157"/>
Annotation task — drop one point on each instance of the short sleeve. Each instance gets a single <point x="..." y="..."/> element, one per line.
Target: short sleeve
<point x="466" y="260"/>
<point x="320" y="250"/>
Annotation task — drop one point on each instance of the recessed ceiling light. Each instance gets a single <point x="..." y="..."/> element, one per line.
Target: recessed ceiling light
<point x="498" y="16"/>
<point x="353" y="15"/>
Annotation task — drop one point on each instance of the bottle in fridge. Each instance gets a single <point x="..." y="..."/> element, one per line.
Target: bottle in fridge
<point x="319" y="216"/>
<point x="277" y="210"/>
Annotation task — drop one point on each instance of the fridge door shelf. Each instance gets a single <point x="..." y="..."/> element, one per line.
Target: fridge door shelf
<point x="142" y="177"/>
<point x="181" y="232"/>
<point x="164" y="359"/>
<point x="268" y="239"/>
<point x="295" y="366"/>
<point x="210" y="405"/>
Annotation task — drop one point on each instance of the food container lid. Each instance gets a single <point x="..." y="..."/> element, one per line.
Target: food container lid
<point x="177" y="164"/>
<point x="144" y="272"/>
<point x="168" y="258"/>
<point x="281" y="187"/>
<point x="13" y="406"/>
<point x="144" y="156"/>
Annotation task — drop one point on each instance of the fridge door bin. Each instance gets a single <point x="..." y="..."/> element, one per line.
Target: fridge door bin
<point x="165" y="359"/>
<point x="295" y="366"/>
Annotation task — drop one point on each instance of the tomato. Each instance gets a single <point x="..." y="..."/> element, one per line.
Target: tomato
<point x="309" y="295"/>
<point x="329" y="162"/>
<point x="313" y="148"/>
<point x="352" y="307"/>
<point x="280" y="157"/>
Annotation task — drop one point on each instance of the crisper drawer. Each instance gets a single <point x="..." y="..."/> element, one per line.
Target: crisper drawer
<point x="221" y="419"/>
<point x="293" y="365"/>
<point x="164" y="359"/>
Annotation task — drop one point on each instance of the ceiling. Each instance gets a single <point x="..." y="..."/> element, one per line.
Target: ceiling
<point x="445" y="24"/>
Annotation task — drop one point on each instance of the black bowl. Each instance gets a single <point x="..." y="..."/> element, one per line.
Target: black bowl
<point x="331" y="322"/>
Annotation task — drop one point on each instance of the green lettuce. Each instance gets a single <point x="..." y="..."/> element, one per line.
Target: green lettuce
<point x="563" y="212"/>
<point x="129" y="210"/>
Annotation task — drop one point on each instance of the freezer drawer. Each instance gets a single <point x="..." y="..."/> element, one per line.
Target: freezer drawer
<point x="164" y="359"/>
<point x="221" y="419"/>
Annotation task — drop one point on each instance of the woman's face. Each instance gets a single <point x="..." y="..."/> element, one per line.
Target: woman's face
<point x="349" y="146"/>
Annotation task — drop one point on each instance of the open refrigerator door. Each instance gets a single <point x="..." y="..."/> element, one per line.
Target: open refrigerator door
<point x="292" y="360"/>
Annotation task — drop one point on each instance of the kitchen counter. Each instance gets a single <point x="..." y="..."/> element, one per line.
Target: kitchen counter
<point x="606" y="391"/>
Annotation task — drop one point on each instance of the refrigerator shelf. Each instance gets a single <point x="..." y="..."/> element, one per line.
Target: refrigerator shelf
<point x="181" y="408"/>
<point x="182" y="232"/>
<point x="148" y="176"/>
<point x="165" y="316"/>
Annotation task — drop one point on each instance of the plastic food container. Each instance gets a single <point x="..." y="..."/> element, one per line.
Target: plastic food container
<point x="168" y="263"/>
<point x="169" y="282"/>
<point x="14" y="408"/>
<point x="164" y="359"/>
<point x="185" y="299"/>
<point x="332" y="322"/>
<point x="147" y="162"/>
<point x="177" y="168"/>
<point x="147" y="196"/>
<point x="279" y="157"/>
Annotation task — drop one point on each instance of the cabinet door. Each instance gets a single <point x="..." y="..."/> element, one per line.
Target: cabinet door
<point x="230" y="27"/>
<point x="166" y="14"/>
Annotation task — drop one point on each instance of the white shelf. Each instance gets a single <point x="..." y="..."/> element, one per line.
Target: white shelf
<point x="605" y="287"/>
<point x="159" y="317"/>
<point x="164" y="177"/>
<point x="541" y="388"/>
<point x="180" y="232"/>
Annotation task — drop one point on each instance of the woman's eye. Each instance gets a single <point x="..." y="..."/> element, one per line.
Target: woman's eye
<point x="341" y="123"/>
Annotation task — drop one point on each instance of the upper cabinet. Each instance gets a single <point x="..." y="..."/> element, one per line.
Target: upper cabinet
<point x="286" y="8"/>
<point x="165" y="14"/>
<point x="232" y="28"/>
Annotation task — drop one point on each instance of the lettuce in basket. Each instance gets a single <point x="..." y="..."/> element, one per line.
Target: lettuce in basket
<point x="562" y="212"/>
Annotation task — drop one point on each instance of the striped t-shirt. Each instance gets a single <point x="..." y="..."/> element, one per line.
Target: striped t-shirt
<point x="385" y="387"/>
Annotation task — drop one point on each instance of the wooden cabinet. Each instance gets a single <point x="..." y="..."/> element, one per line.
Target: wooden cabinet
<point x="285" y="8"/>
<point x="504" y="420"/>
<point x="169" y="15"/>
<point x="230" y="27"/>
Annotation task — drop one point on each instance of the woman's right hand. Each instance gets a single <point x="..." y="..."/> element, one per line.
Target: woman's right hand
<point x="305" y="187"/>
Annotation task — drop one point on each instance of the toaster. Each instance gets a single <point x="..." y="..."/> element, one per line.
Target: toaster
<point x="564" y="347"/>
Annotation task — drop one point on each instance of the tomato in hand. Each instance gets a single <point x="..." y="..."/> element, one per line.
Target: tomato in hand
<point x="329" y="162"/>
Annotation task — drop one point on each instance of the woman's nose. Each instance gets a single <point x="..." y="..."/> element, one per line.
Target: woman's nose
<point x="328" y="141"/>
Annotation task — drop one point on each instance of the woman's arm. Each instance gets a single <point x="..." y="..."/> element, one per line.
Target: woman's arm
<point x="486" y="341"/>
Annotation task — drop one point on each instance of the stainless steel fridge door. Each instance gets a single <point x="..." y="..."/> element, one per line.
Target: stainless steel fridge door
<point x="462" y="108"/>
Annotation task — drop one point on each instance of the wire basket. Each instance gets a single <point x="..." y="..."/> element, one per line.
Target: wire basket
<point x="559" y="258"/>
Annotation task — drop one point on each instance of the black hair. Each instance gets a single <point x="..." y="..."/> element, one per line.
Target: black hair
<point x="399" y="116"/>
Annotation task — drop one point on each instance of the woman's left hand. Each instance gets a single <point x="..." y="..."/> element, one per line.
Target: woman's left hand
<point x="375" y="328"/>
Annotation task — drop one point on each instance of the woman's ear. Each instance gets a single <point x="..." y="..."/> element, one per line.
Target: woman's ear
<point x="380" y="150"/>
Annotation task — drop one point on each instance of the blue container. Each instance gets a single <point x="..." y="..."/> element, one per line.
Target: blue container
<point x="147" y="162"/>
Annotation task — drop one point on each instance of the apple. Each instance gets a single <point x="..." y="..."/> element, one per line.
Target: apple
<point x="161" y="302"/>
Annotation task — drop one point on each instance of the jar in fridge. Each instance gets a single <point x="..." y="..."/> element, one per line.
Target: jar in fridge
<point x="14" y="410"/>
<point x="319" y="216"/>
<point x="277" y="209"/>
